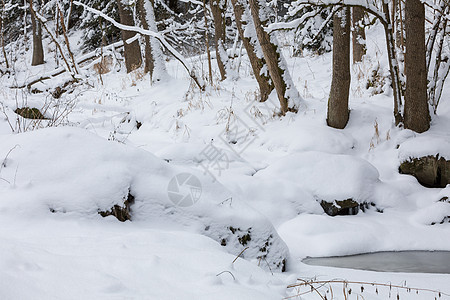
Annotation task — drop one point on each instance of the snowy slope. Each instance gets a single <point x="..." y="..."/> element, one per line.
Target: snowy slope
<point x="268" y="177"/>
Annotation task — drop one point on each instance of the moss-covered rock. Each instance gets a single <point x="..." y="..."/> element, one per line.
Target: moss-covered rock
<point x="430" y="171"/>
<point x="30" y="113"/>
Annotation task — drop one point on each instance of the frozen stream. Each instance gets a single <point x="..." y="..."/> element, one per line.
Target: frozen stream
<point x="402" y="261"/>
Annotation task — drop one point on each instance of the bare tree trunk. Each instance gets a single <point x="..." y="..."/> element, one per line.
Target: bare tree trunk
<point x="286" y="92"/>
<point x="400" y="30"/>
<point x="338" y="112"/>
<point x="154" y="56"/>
<point x="63" y="26"/>
<point x="67" y="23"/>
<point x="393" y="64"/>
<point x="132" y="51"/>
<point x="257" y="62"/>
<point x="218" y="12"/>
<point x="2" y="38"/>
<point x="38" y="49"/>
<point x="435" y="45"/>
<point x="359" y="34"/>
<point x="417" y="115"/>
<point x="208" y="52"/>
<point x="148" y="59"/>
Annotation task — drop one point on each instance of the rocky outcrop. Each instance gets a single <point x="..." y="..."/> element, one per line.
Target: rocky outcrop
<point x="430" y="171"/>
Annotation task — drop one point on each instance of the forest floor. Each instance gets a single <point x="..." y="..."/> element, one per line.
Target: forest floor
<point x="118" y="134"/>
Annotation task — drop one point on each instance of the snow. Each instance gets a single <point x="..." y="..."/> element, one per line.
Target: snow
<point x="425" y="145"/>
<point x="54" y="181"/>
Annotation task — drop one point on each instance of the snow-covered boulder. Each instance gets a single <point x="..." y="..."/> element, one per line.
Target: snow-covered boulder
<point x="436" y="213"/>
<point x="74" y="172"/>
<point x="426" y="157"/>
<point x="341" y="183"/>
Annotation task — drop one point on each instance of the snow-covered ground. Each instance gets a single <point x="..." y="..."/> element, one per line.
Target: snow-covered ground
<point x="259" y="174"/>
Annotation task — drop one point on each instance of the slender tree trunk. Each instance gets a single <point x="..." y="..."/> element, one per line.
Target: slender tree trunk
<point x="38" y="49"/>
<point x="2" y="37"/>
<point x="359" y="34"/>
<point x="159" y="70"/>
<point x="338" y="112"/>
<point x="154" y="57"/>
<point x="132" y="51"/>
<point x="148" y="59"/>
<point x="67" y="23"/>
<point x="208" y="52"/>
<point x="417" y="115"/>
<point x="286" y="92"/>
<point x="393" y="64"/>
<point x="64" y="30"/>
<point x="257" y="62"/>
<point x="400" y="30"/>
<point x="218" y="12"/>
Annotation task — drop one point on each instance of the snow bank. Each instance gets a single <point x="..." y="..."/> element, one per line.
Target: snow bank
<point x="326" y="176"/>
<point x="424" y="145"/>
<point x="72" y="171"/>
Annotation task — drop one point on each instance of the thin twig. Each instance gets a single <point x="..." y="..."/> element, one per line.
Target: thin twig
<point x="239" y="255"/>
<point x="234" y="278"/>
<point x="304" y="283"/>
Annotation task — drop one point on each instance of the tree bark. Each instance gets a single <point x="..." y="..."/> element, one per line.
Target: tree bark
<point x="399" y="28"/>
<point x="257" y="62"/>
<point x="132" y="51"/>
<point x="275" y="62"/>
<point x="38" y="49"/>
<point x="208" y="52"/>
<point x="148" y="58"/>
<point x="417" y="115"/>
<point x="218" y="12"/>
<point x="358" y="35"/>
<point x="2" y="38"/>
<point x="338" y="112"/>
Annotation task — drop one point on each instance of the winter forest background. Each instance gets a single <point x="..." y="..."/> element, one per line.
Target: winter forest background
<point x="193" y="149"/>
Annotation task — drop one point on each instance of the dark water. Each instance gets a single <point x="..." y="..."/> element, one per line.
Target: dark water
<point x="402" y="261"/>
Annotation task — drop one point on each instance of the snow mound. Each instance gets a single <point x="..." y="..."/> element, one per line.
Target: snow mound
<point x="425" y="145"/>
<point x="74" y="172"/>
<point x="324" y="139"/>
<point x="437" y="213"/>
<point x="328" y="177"/>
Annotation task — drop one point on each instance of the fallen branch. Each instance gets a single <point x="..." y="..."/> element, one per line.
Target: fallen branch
<point x="61" y="70"/>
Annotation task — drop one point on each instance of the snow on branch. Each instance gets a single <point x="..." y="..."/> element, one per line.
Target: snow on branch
<point x="290" y="25"/>
<point x="365" y="4"/>
<point x="156" y="35"/>
<point x="300" y="4"/>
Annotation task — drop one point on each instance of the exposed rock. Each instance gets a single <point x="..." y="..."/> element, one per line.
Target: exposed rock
<point x="30" y="113"/>
<point x="340" y="207"/>
<point x="346" y="207"/>
<point x="122" y="213"/>
<point x="431" y="171"/>
<point x="444" y="199"/>
<point x="446" y="219"/>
